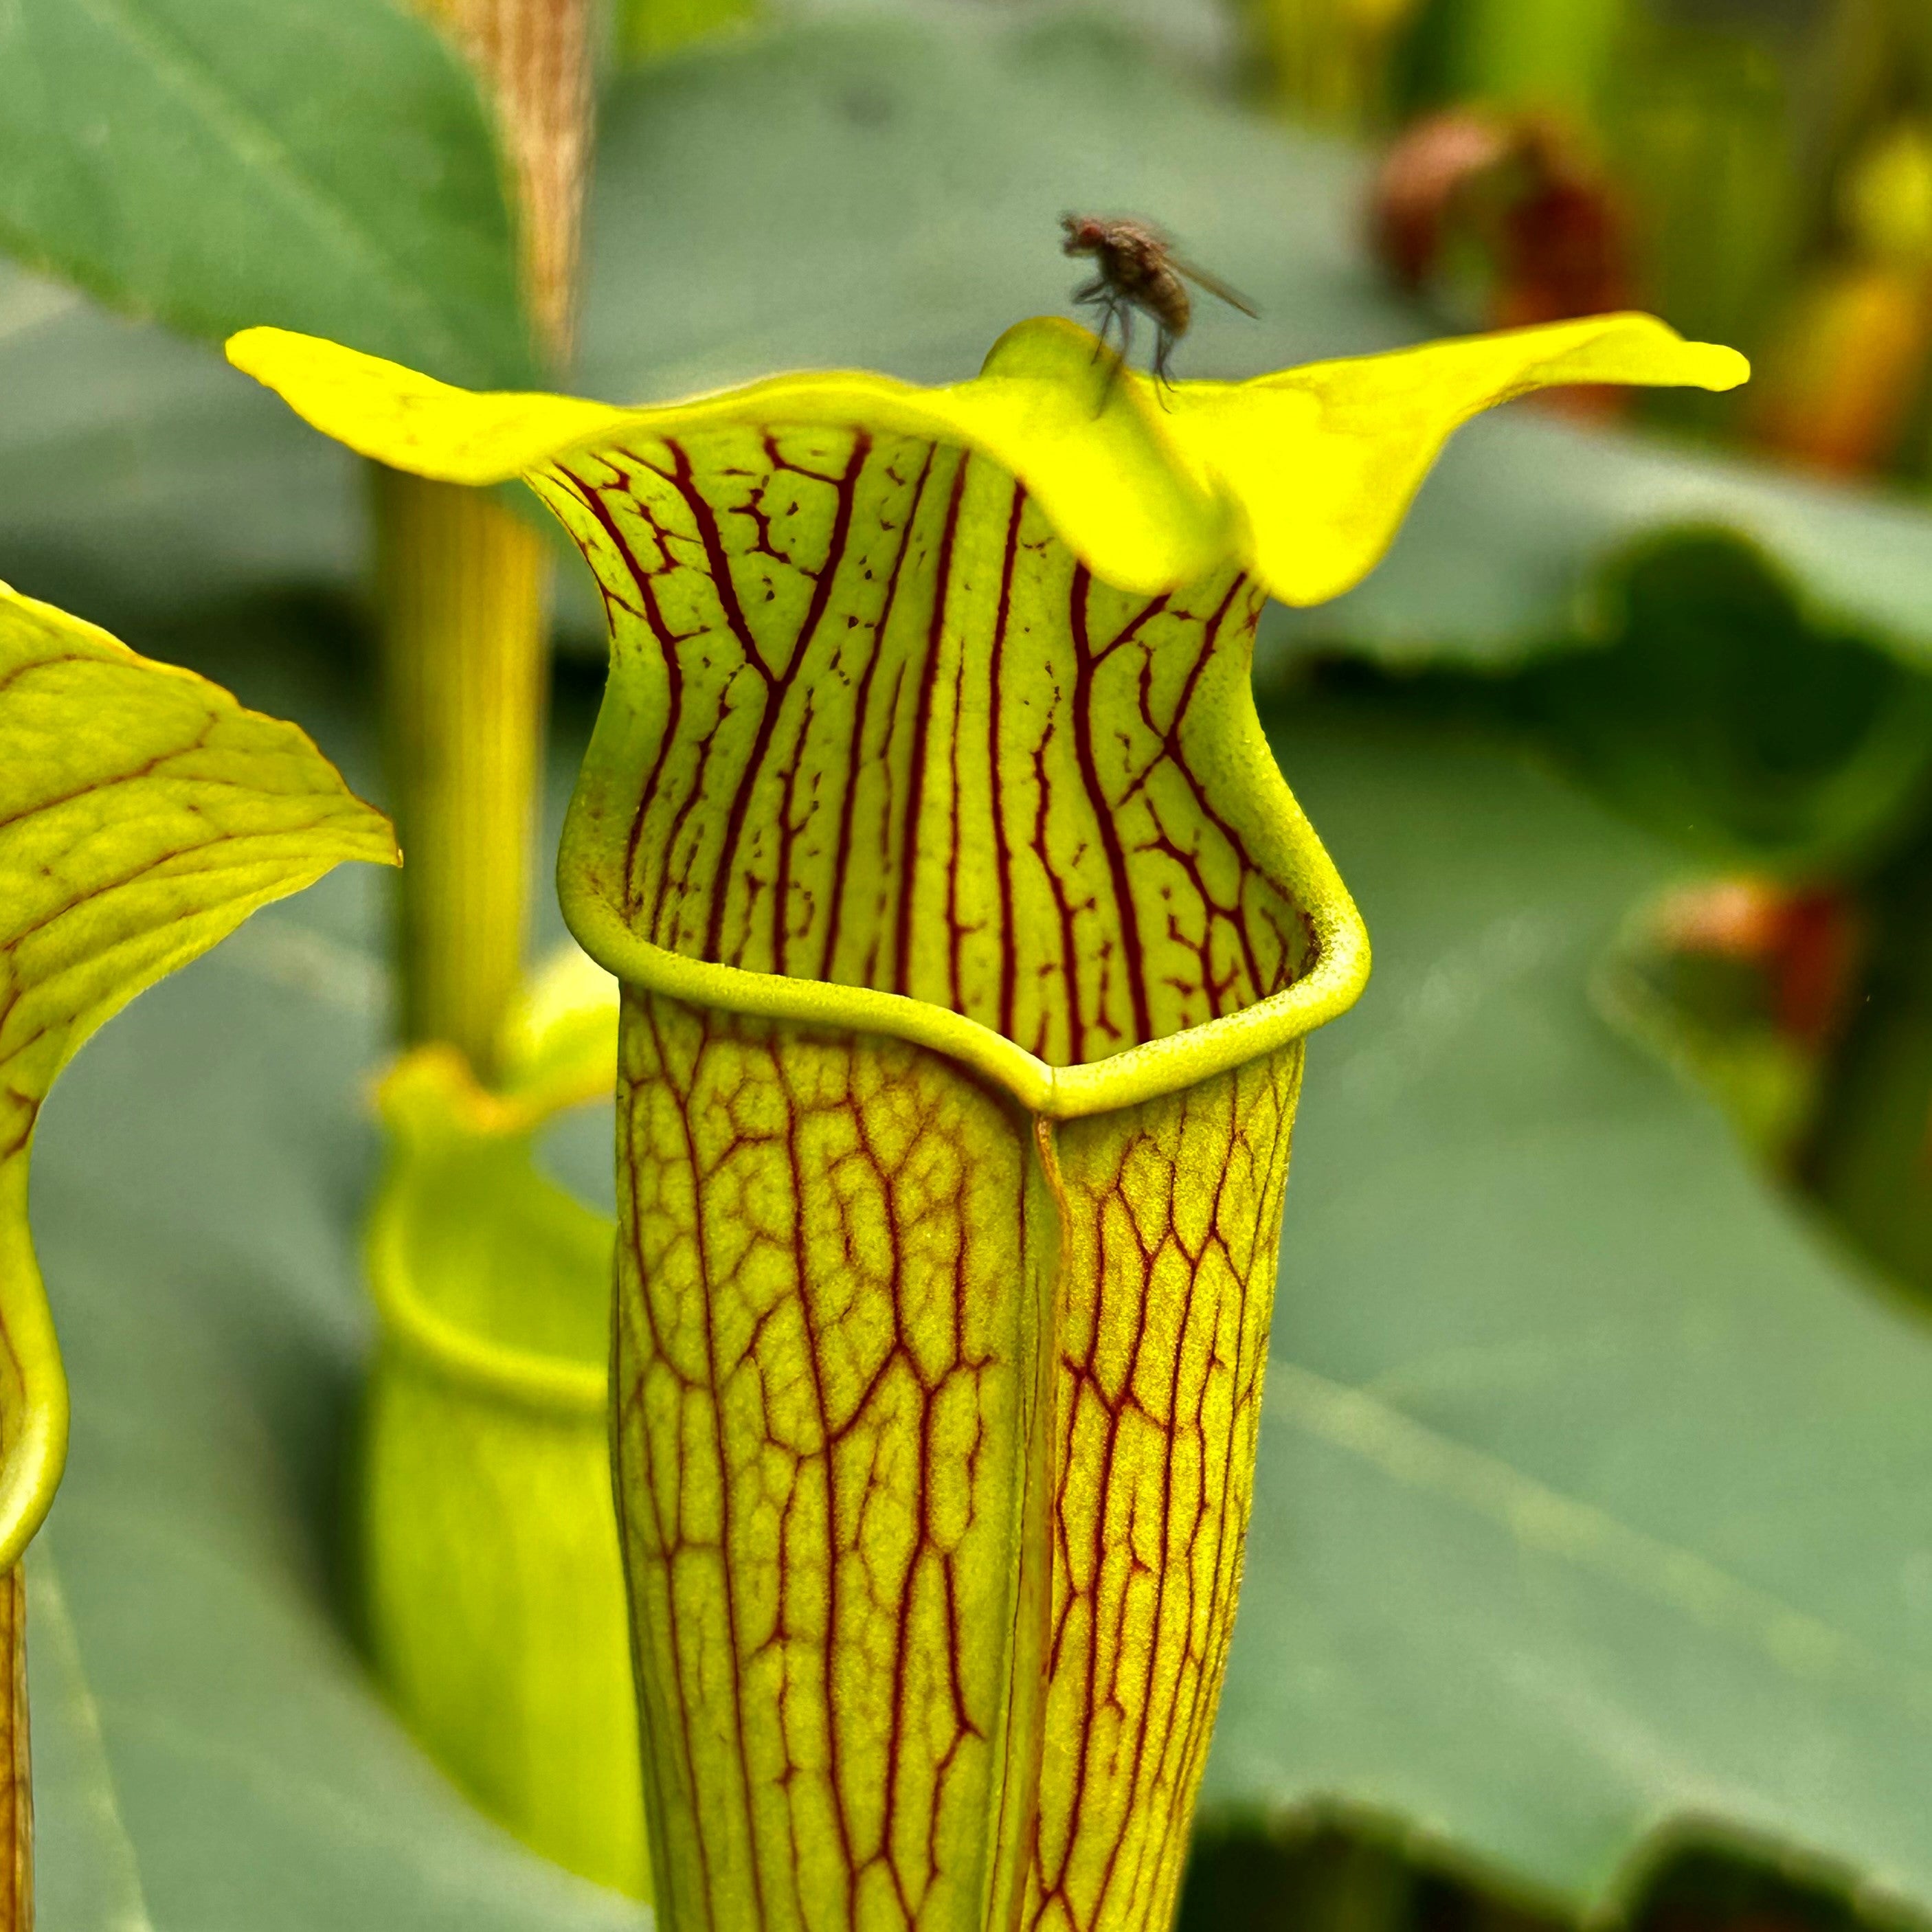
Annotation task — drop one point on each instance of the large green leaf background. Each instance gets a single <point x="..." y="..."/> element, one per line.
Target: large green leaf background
<point x="1594" y="1507"/>
<point x="1595" y="1513"/>
<point x="138" y="481"/>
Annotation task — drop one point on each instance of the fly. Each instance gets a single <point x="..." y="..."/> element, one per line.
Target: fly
<point x="1139" y="269"/>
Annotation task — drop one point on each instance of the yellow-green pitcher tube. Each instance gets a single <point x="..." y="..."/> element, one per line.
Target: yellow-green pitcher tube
<point x="936" y="1389"/>
<point x="976" y="1551"/>
<point x="969" y="941"/>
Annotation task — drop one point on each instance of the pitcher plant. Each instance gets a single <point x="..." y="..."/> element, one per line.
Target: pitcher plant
<point x="969" y="940"/>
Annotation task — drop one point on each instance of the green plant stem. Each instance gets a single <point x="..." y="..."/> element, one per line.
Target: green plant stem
<point x="465" y="669"/>
<point x="463" y="587"/>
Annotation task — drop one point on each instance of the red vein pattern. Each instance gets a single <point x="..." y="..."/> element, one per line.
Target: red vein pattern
<point x="833" y="1264"/>
<point x="852" y="671"/>
<point x="935" y="1421"/>
<point x="1171" y="1217"/>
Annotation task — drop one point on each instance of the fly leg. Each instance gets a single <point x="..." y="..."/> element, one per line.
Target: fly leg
<point x="1125" y="311"/>
<point x="1100" y="292"/>
<point x="1163" y="348"/>
<point x="1110" y="311"/>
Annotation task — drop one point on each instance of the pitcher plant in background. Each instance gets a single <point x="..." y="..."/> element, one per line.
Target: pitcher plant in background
<point x="144" y="814"/>
<point x="492" y="1597"/>
<point x="969" y="940"/>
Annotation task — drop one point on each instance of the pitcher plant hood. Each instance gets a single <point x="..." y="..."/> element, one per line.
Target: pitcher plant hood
<point x="970" y="939"/>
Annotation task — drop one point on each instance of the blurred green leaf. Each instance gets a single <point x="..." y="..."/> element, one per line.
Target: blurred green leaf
<point x="1550" y="54"/>
<point x="323" y="164"/>
<point x="141" y="480"/>
<point x="649" y="29"/>
<point x="1593" y="1514"/>
<point x="1714" y="711"/>
<point x="923" y="219"/>
<point x="1701" y="138"/>
<point x="1497" y="557"/>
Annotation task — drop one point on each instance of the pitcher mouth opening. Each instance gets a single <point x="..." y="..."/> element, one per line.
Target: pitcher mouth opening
<point x="551" y="1385"/>
<point x="1331" y="984"/>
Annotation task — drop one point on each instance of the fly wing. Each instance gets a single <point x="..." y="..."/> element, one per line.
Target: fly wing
<point x="1216" y="287"/>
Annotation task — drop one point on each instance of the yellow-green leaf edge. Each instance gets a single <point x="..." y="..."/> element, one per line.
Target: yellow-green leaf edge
<point x="1301" y="477"/>
<point x="68" y="690"/>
